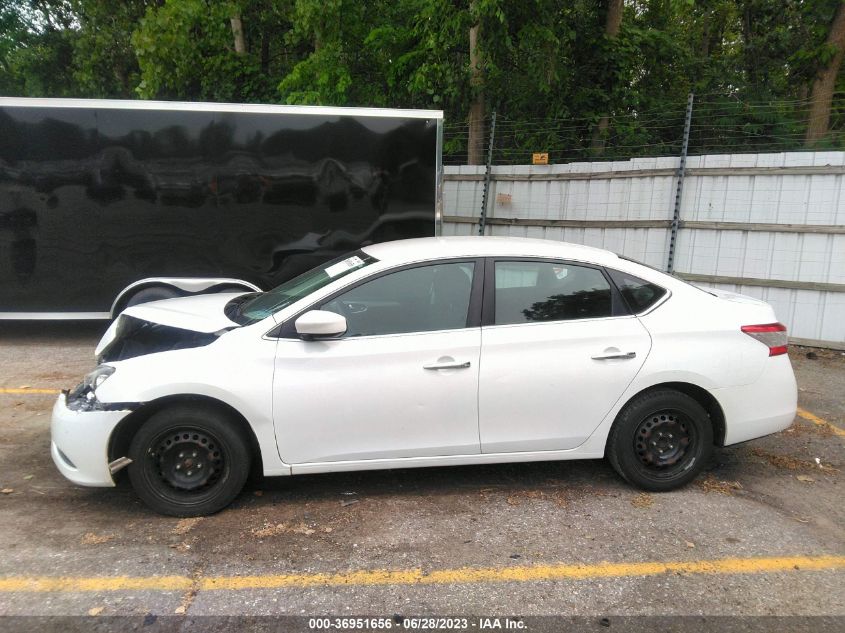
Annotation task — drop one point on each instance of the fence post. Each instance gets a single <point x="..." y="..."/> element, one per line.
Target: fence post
<point x="676" y="215"/>
<point x="486" y="192"/>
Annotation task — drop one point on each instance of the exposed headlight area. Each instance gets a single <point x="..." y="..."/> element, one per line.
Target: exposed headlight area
<point x="84" y="396"/>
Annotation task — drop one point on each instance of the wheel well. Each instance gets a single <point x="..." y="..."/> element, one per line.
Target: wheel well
<point x="703" y="397"/>
<point x="123" y="433"/>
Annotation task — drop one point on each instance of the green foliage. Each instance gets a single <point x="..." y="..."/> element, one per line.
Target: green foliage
<point x="547" y="66"/>
<point x="335" y="29"/>
<point x="36" y="45"/>
<point x="185" y="50"/>
<point x="103" y="65"/>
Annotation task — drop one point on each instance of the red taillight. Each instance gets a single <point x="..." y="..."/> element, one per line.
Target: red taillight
<point x="772" y="335"/>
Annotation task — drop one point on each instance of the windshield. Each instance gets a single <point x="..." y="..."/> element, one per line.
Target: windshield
<point x="256" y="306"/>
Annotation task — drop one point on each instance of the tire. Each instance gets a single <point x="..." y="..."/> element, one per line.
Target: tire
<point x="660" y="441"/>
<point x="189" y="460"/>
<point x="153" y="293"/>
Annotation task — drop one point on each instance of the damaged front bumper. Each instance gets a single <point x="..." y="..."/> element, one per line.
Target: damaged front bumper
<point x="80" y="440"/>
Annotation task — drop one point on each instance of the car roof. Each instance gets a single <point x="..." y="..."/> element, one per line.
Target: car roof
<point x="426" y="248"/>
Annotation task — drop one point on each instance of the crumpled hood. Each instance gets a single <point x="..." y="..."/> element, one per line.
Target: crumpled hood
<point x="199" y="313"/>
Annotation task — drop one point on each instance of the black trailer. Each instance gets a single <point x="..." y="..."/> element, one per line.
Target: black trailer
<point x="105" y="204"/>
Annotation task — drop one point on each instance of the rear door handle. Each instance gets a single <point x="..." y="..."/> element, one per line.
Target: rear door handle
<point x="449" y="364"/>
<point x="616" y="356"/>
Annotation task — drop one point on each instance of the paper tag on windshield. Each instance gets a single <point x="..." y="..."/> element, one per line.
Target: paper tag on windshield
<point x="346" y="265"/>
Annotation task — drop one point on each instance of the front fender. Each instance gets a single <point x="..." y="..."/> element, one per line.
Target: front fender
<point x="236" y="370"/>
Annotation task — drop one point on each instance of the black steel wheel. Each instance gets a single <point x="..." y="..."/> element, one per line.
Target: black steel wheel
<point x="660" y="440"/>
<point x="188" y="461"/>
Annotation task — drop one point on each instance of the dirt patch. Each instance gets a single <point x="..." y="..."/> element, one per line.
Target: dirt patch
<point x="558" y="496"/>
<point x="787" y="462"/>
<point x="516" y="498"/>
<point x="712" y="484"/>
<point x="96" y="539"/>
<point x="642" y="500"/>
<point x="185" y="525"/>
<point x="283" y="528"/>
<point x="816" y="353"/>
<point x="270" y="530"/>
<point x="800" y="429"/>
<point x="184" y="546"/>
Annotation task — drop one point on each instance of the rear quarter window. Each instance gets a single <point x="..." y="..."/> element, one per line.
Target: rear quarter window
<point x="638" y="293"/>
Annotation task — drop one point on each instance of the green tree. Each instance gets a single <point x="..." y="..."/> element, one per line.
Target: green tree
<point x="186" y="50"/>
<point x="104" y="62"/>
<point x="578" y="78"/>
<point x="825" y="62"/>
<point x="36" y="48"/>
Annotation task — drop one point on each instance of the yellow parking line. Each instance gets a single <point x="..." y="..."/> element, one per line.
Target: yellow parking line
<point x="522" y="573"/>
<point x="42" y="584"/>
<point x="27" y="390"/>
<point x="820" y="422"/>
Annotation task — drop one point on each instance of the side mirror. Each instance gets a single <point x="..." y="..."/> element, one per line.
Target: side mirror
<point x="320" y="324"/>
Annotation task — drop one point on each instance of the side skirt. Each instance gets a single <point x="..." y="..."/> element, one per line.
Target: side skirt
<point x="450" y="460"/>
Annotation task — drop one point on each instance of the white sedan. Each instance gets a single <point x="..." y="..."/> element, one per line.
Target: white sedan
<point x="426" y="352"/>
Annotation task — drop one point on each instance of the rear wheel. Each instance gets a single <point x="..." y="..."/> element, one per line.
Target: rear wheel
<point x="188" y="461"/>
<point x="660" y="440"/>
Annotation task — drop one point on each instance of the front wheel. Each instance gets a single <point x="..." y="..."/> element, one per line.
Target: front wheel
<point x="660" y="440"/>
<point x="188" y="461"/>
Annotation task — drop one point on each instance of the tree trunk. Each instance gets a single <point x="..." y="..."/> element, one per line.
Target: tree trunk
<point x="749" y="45"/>
<point x="614" y="18"/>
<point x="238" y="33"/>
<point x="475" y="145"/>
<point x="265" y="52"/>
<point x="612" y="24"/>
<point x="825" y="82"/>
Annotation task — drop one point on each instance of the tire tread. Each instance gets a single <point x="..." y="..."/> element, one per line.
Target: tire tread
<point x="221" y="425"/>
<point x="624" y="419"/>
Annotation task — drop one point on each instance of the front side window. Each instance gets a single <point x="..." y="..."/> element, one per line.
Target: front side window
<point x="528" y="291"/>
<point x="421" y="299"/>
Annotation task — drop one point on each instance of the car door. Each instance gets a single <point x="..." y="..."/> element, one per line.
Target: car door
<point x="403" y="380"/>
<point x="558" y="350"/>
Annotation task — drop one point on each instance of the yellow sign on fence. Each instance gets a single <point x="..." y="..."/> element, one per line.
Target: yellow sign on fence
<point x="541" y="158"/>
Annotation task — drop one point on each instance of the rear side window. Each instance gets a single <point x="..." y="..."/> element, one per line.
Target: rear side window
<point x="528" y="291"/>
<point x="638" y="293"/>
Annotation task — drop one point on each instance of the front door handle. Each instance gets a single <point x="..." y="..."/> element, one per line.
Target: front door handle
<point x="447" y="364"/>
<point x="616" y="356"/>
